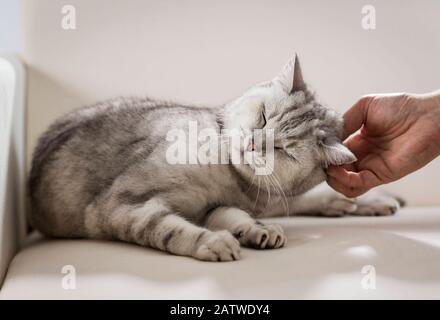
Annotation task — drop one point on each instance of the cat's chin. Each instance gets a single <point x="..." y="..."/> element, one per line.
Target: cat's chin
<point x="316" y="177"/>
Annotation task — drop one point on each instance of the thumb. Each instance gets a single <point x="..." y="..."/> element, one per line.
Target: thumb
<point x="356" y="116"/>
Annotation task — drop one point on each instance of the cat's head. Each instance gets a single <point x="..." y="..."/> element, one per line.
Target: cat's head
<point x="307" y="134"/>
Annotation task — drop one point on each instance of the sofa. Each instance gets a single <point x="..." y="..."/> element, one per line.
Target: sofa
<point x="204" y="54"/>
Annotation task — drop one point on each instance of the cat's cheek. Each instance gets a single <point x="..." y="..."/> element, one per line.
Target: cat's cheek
<point x="248" y="159"/>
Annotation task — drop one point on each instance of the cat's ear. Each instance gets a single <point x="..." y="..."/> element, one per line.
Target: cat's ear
<point x="291" y="76"/>
<point x="335" y="153"/>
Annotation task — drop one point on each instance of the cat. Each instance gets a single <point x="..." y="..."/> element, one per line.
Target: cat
<point x="101" y="172"/>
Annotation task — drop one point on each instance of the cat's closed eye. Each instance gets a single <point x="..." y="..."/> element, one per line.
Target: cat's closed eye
<point x="286" y="152"/>
<point x="263" y="118"/>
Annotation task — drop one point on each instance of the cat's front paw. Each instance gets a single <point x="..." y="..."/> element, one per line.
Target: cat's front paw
<point x="377" y="204"/>
<point x="261" y="236"/>
<point x="217" y="246"/>
<point x="374" y="203"/>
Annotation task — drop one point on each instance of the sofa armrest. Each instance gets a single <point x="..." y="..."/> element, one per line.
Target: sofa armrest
<point x="12" y="159"/>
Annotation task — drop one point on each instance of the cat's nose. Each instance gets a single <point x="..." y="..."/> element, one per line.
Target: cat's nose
<point x="251" y="146"/>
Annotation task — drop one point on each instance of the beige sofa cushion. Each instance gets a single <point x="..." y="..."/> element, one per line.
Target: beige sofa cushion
<point x="324" y="258"/>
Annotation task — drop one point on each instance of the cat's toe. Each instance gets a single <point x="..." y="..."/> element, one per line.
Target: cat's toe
<point x="261" y="236"/>
<point x="256" y="237"/>
<point x="218" y="246"/>
<point x="277" y="239"/>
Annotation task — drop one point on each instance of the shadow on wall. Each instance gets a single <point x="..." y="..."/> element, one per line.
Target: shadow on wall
<point x="47" y="99"/>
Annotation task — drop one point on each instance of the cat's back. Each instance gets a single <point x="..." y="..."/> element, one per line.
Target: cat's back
<point x="83" y="152"/>
<point x="76" y="132"/>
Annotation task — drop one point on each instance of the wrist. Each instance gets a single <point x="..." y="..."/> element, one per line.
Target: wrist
<point x="429" y="109"/>
<point x="436" y="100"/>
<point x="429" y="101"/>
<point x="433" y="102"/>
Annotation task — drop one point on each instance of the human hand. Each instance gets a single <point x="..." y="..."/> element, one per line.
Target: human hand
<point x="400" y="133"/>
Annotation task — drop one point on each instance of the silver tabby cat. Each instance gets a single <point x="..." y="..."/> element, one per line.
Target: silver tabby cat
<point x="101" y="172"/>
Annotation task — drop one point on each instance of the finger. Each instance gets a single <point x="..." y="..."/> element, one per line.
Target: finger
<point x="347" y="166"/>
<point x="345" y="190"/>
<point x="358" y="145"/>
<point x="338" y="172"/>
<point x="364" y="179"/>
<point x="356" y="116"/>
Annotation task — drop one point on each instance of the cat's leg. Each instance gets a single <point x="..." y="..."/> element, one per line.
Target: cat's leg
<point x="324" y="201"/>
<point x="153" y="224"/>
<point x="249" y="232"/>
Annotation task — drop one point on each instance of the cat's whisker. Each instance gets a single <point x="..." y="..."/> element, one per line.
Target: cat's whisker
<point x="274" y="186"/>
<point x="286" y="202"/>
<point x="282" y="193"/>
<point x="283" y="196"/>
<point x="251" y="184"/>
<point x="269" y="187"/>
<point x="258" y="193"/>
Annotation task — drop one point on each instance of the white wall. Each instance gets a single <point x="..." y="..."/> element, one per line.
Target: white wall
<point x="208" y="52"/>
<point x="9" y="26"/>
